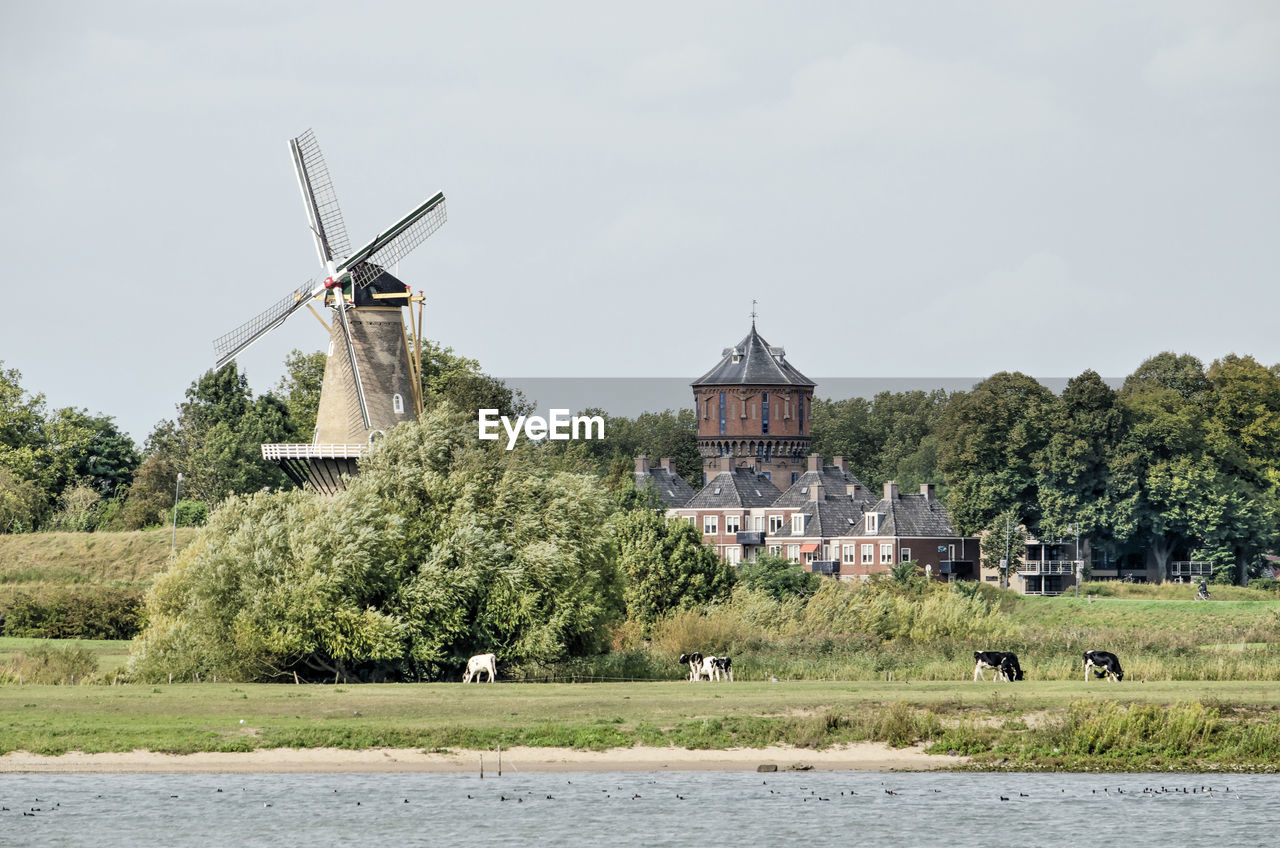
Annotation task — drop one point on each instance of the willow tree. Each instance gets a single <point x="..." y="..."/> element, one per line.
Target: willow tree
<point x="444" y="546"/>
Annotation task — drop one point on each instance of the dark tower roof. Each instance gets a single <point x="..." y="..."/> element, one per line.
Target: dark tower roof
<point x="753" y="362"/>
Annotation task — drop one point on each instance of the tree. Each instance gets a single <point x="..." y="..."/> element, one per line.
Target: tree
<point x="299" y="388"/>
<point x="1004" y="540"/>
<point x="988" y="441"/>
<point x="778" y="577"/>
<point x="450" y="378"/>
<point x="216" y="440"/>
<point x="442" y="547"/>
<point x="1073" y="470"/>
<point x="667" y="567"/>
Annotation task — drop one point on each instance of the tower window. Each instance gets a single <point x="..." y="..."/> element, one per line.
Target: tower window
<point x="397" y="404"/>
<point x="724" y="404"/>
<point x="764" y="412"/>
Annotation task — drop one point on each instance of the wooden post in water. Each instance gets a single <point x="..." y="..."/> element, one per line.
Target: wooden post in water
<point x="499" y="759"/>
<point x="482" y="766"/>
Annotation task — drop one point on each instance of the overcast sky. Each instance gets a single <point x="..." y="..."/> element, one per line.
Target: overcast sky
<point x="909" y="189"/>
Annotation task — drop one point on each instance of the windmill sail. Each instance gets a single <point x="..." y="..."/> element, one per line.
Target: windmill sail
<point x="354" y="363"/>
<point x="323" y="214"/>
<point x="229" y="346"/>
<point x="386" y="249"/>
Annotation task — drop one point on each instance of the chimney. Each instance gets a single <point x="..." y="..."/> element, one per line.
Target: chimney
<point x="642" y="465"/>
<point x="815" y="492"/>
<point x="926" y="489"/>
<point x="726" y="463"/>
<point x="838" y="462"/>
<point x="668" y="464"/>
<point x="890" y="491"/>
<point x="815" y="462"/>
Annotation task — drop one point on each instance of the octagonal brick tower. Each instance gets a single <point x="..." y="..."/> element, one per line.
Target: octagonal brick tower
<point x="756" y="407"/>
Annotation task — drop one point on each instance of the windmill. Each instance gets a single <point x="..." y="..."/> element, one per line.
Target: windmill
<point x="371" y="380"/>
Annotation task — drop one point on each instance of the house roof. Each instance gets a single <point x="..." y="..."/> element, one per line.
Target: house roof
<point x="753" y="362"/>
<point x="837" y="484"/>
<point x="828" y="519"/>
<point x="672" y="490"/>
<point x="741" y="487"/>
<point x="914" y="515"/>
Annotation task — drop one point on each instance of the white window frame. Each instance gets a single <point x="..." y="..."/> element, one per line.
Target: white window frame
<point x="759" y="520"/>
<point x="793" y="553"/>
<point x="797" y="522"/>
<point x="850" y="554"/>
<point x="775" y="550"/>
<point x="692" y="519"/>
<point x="868" y="554"/>
<point x="397" y="404"/>
<point x="733" y="554"/>
<point x="710" y="525"/>
<point x="886" y="553"/>
<point x="776" y="522"/>
<point x="904" y="555"/>
<point x="871" y="522"/>
<point x="732" y="523"/>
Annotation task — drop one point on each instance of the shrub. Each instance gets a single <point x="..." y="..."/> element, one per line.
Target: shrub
<point x="52" y="665"/>
<point x="72" y="612"/>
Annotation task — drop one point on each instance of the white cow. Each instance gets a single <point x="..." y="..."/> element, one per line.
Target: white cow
<point x="487" y="663"/>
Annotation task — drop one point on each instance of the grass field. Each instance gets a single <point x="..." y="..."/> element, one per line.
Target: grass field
<point x="1054" y="724"/>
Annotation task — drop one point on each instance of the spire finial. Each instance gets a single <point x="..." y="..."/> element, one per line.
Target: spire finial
<point x="753" y="314"/>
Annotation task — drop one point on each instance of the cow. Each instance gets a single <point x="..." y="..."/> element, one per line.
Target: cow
<point x="694" y="661"/>
<point x="724" y="667"/>
<point x="1003" y="663"/>
<point x="481" y="663"/>
<point x="1104" y="664"/>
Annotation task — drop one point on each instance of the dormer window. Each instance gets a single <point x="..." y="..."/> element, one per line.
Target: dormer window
<point x="797" y="522"/>
<point x="871" y="522"/>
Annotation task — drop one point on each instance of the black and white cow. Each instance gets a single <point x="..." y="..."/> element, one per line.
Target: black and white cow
<point x="1004" y="663"/>
<point x="1104" y="664"/>
<point x="694" y="661"/>
<point x="722" y="667"/>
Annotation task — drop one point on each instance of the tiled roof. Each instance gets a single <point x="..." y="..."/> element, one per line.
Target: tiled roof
<point x="671" y="488"/>
<point x="914" y="515"/>
<point x="741" y="487"/>
<point x="753" y="362"/>
<point x="828" y="519"/>
<point x="836" y="483"/>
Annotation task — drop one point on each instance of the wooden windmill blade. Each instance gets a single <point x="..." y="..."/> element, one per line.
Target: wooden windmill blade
<point x="387" y="248"/>
<point x="324" y="216"/>
<point x="231" y="345"/>
<point x="352" y="360"/>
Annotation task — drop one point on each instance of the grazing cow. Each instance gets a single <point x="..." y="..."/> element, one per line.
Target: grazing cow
<point x="1003" y="663"/>
<point x="1104" y="664"/>
<point x="486" y="663"/>
<point x="724" y="666"/>
<point x="694" y="661"/>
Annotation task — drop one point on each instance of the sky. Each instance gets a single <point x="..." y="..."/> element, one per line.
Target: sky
<point x="925" y="190"/>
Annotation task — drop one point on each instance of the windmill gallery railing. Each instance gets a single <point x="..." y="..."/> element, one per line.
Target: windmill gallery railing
<point x="310" y="451"/>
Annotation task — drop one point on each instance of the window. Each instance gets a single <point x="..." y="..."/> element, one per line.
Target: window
<point x="732" y="523"/>
<point x="709" y="525"/>
<point x="797" y="523"/>
<point x="397" y="404"/>
<point x="775" y="550"/>
<point x="724" y="410"/>
<point x="764" y="413"/>
<point x="759" y="523"/>
<point x="692" y="519"/>
<point x="868" y="554"/>
<point x="886" y="553"/>
<point x="733" y="554"/>
<point x="850" y="554"/>
<point x="775" y="523"/>
<point x="871" y="522"/>
<point x="800" y="406"/>
<point x="904" y="555"/>
<point x="793" y="553"/>
<point x="795" y="475"/>
<point x="330" y="353"/>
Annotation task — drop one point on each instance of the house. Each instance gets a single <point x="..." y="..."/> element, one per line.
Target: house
<point x="669" y="486"/>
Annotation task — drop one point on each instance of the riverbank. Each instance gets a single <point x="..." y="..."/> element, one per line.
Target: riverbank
<point x="861" y="756"/>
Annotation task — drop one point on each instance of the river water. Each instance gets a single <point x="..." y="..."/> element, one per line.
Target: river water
<point x="640" y="809"/>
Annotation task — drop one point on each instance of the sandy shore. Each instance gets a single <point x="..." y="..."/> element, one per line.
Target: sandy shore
<point x="863" y="756"/>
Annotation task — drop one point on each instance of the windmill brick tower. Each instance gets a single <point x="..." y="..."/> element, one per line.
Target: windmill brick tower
<point x="371" y="379"/>
<point x="754" y="408"/>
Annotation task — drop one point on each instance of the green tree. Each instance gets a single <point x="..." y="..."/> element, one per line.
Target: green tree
<point x="450" y="378"/>
<point x="442" y="547"/>
<point x="667" y="567"/>
<point x="1073" y="468"/>
<point x="778" y="577"/>
<point x="299" y="388"/>
<point x="1004" y="540"/>
<point x="988" y="442"/>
